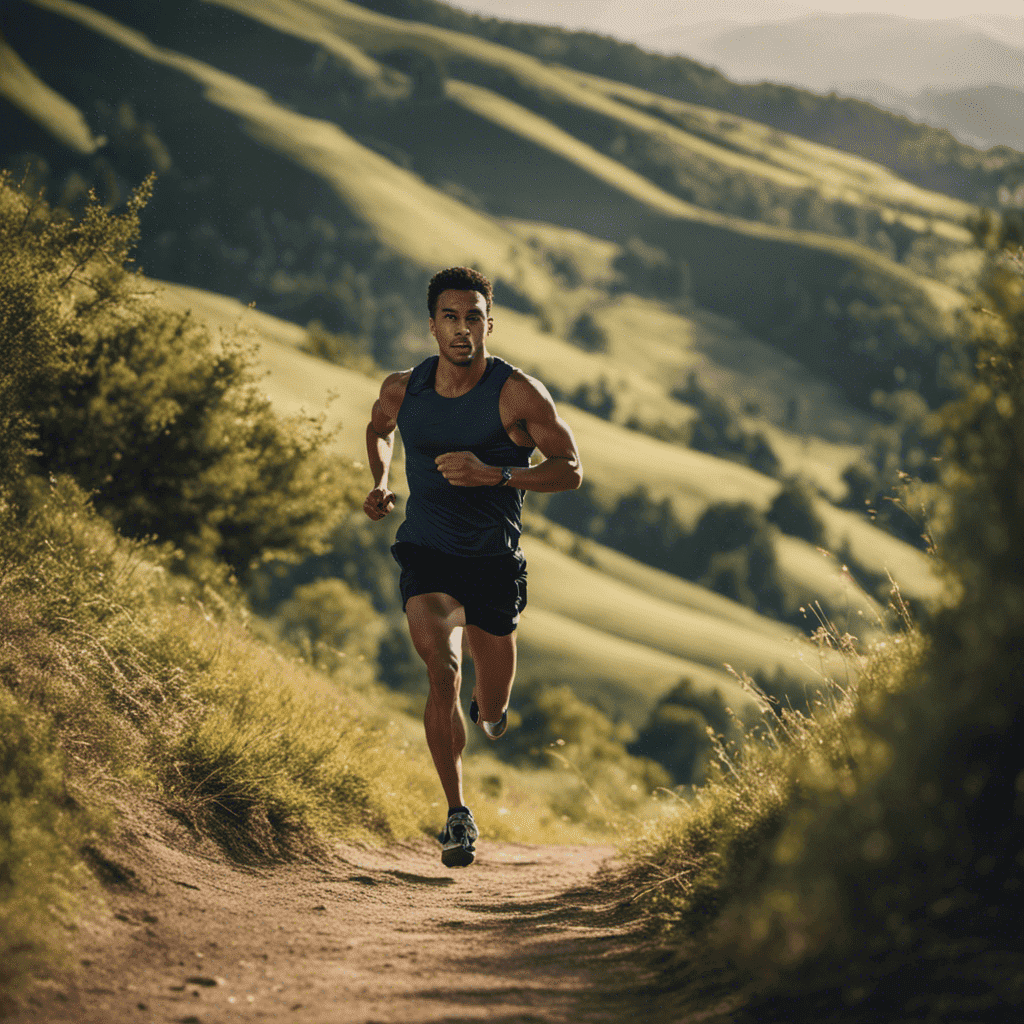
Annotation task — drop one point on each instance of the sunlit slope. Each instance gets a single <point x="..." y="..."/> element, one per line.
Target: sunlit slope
<point x="586" y="595"/>
<point x="844" y="175"/>
<point x="746" y="247"/>
<point x="376" y="33"/>
<point x="744" y="147"/>
<point x="24" y="89"/>
<point x="422" y="223"/>
<point x="559" y="364"/>
<point x="296" y="383"/>
<point x="616" y="461"/>
<point x="649" y="580"/>
<point x="621" y="677"/>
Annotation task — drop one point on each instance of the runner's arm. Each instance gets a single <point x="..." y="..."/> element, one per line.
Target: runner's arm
<point x="562" y="469"/>
<point x="536" y="416"/>
<point x="380" y="444"/>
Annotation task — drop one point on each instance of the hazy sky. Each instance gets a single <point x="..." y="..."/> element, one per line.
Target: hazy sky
<point x="616" y="15"/>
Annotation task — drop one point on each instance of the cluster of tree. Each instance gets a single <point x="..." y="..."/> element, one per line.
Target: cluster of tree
<point x="358" y="557"/>
<point x="717" y="430"/>
<point x="729" y="550"/>
<point x="681" y="730"/>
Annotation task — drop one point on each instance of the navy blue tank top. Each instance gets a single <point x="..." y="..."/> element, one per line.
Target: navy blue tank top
<point x="459" y="520"/>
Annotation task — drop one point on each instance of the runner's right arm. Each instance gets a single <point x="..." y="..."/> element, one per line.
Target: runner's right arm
<point x="380" y="443"/>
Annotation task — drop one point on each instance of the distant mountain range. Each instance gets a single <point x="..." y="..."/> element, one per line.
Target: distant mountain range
<point x="964" y="75"/>
<point x="981" y="116"/>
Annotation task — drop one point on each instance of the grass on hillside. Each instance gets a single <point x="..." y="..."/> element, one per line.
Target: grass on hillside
<point x="429" y="227"/>
<point x="120" y="686"/>
<point x="867" y="864"/>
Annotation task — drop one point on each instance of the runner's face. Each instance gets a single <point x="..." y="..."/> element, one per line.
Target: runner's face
<point x="460" y="326"/>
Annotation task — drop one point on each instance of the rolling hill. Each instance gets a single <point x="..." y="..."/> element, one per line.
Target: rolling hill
<point x="662" y="265"/>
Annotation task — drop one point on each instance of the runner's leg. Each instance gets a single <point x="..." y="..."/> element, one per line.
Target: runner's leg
<point x="435" y="625"/>
<point x="494" y="659"/>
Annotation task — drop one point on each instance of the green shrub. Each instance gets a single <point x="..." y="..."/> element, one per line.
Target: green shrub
<point x="55" y="274"/>
<point x="793" y="511"/>
<point x="873" y="854"/>
<point x="162" y="423"/>
<point x="588" y="333"/>
<point x="327" y="620"/>
<point x="682" y="731"/>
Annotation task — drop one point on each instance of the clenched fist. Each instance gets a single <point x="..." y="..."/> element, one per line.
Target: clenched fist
<point x="464" y="469"/>
<point x="379" y="503"/>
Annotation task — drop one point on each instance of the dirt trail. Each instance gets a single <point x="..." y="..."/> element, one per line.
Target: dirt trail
<point x="526" y="935"/>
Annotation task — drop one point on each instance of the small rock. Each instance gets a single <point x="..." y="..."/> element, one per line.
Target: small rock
<point x="319" y="906"/>
<point x="201" y="979"/>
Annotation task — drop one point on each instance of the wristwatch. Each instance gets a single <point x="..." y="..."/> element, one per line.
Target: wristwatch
<point x="506" y="475"/>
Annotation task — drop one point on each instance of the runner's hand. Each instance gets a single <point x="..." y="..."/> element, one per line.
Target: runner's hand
<point x="464" y="469"/>
<point x="379" y="502"/>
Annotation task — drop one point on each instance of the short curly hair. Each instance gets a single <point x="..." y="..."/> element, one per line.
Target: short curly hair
<point x="461" y="279"/>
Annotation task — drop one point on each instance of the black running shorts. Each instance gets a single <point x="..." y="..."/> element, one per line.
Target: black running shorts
<point x="491" y="588"/>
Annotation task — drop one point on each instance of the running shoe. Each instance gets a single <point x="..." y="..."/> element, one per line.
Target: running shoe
<point x="492" y="730"/>
<point x="457" y="839"/>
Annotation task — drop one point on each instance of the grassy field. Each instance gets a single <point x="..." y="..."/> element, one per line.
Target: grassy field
<point x="427" y="226"/>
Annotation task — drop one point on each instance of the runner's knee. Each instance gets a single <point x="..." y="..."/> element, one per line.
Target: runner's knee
<point x="445" y="675"/>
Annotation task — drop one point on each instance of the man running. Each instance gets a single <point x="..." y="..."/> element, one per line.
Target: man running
<point x="469" y="423"/>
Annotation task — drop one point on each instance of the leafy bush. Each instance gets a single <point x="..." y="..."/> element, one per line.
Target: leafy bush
<point x="163" y="424"/>
<point x="327" y="621"/>
<point x="588" y="333"/>
<point x="55" y="273"/>
<point x="682" y="730"/>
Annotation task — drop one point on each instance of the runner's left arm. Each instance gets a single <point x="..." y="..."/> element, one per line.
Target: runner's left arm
<point x="537" y="418"/>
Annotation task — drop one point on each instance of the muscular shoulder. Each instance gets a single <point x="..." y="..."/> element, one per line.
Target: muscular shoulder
<point x="524" y="395"/>
<point x="384" y="416"/>
<point x="392" y="391"/>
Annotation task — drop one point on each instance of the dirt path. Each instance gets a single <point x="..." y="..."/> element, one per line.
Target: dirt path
<point x="527" y="934"/>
